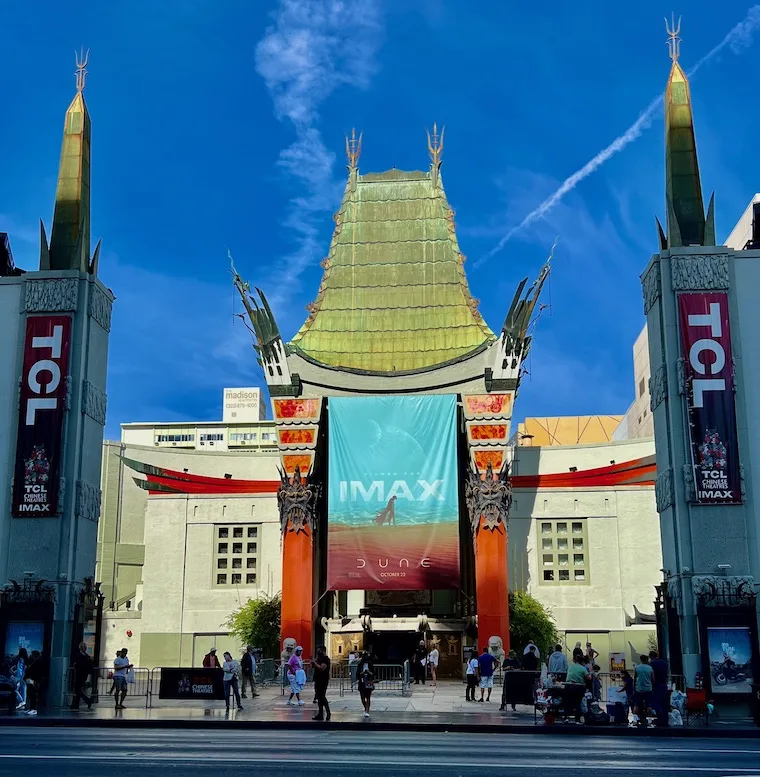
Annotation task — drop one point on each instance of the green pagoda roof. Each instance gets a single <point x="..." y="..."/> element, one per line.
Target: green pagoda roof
<point x="394" y="296"/>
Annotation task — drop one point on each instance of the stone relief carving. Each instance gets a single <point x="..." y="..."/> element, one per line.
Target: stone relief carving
<point x="61" y="495"/>
<point x="297" y="502"/>
<point x="658" y="386"/>
<point x="490" y="497"/>
<point x="100" y="307"/>
<point x="51" y="295"/>
<point x="67" y="396"/>
<point x="742" y="482"/>
<point x="689" y="483"/>
<point x="94" y="402"/>
<point x="663" y="490"/>
<point x="681" y="372"/>
<point x="696" y="273"/>
<point x="651" y="286"/>
<point x="87" y="503"/>
<point x="675" y="593"/>
<point x="724" y="590"/>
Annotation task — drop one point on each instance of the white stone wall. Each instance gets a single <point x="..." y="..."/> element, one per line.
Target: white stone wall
<point x="741" y="234"/>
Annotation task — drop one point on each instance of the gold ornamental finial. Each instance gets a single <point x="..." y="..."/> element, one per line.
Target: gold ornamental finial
<point x="674" y="42"/>
<point x="353" y="148"/>
<point x="435" y="145"/>
<point x="81" y="59"/>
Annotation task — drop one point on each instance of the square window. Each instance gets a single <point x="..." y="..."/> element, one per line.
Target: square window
<point x="577" y="544"/>
<point x="222" y="547"/>
<point x="236" y="579"/>
<point x="237" y="531"/>
<point x="577" y="559"/>
<point x="561" y="528"/>
<point x="253" y="531"/>
<point x="251" y="547"/>
<point x="224" y="532"/>
<point x="546" y="528"/>
<point x="563" y="560"/>
<point x="548" y="575"/>
<point x="580" y="574"/>
<point x="221" y="579"/>
<point x="564" y="574"/>
<point x="237" y="563"/>
<point x="562" y="544"/>
<point x="250" y="579"/>
<point x="577" y="528"/>
<point x="221" y="563"/>
<point x="237" y="547"/>
<point x="547" y="544"/>
<point x="548" y="559"/>
<point x="250" y="563"/>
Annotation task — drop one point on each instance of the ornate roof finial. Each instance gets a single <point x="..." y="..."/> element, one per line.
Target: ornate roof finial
<point x="674" y="42"/>
<point x="435" y="145"/>
<point x="81" y="59"/>
<point x="353" y="148"/>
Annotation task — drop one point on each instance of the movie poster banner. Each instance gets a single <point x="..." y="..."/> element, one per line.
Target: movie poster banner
<point x="40" y="423"/>
<point x="706" y="344"/>
<point x="393" y="496"/>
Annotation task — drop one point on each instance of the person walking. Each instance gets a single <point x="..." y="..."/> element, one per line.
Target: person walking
<point x="321" y="666"/>
<point x="471" y="675"/>
<point x="486" y="664"/>
<point x="296" y="676"/>
<point x="121" y="666"/>
<point x="643" y="678"/>
<point x="210" y="661"/>
<point x="83" y="667"/>
<point x="366" y="682"/>
<point x="248" y="670"/>
<point x="558" y="664"/>
<point x="420" y="659"/>
<point x="18" y="672"/>
<point x="35" y="677"/>
<point x="433" y="658"/>
<point x="230" y="667"/>
<point x="660" y="693"/>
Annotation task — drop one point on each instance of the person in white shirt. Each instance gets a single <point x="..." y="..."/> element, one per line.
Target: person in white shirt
<point x="230" y="667"/>
<point x="473" y="668"/>
<point x="530" y="644"/>
<point x="121" y="666"/>
<point x="433" y="658"/>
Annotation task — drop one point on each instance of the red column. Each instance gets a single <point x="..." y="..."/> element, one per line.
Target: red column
<point x="491" y="584"/>
<point x="297" y="577"/>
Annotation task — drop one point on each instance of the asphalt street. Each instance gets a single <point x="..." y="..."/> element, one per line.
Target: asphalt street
<point x="66" y="752"/>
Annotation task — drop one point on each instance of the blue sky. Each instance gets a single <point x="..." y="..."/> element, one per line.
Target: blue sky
<point x="220" y="124"/>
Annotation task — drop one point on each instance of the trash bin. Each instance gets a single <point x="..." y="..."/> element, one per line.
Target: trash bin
<point x="756" y="704"/>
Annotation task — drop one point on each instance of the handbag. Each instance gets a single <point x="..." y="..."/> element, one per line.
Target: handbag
<point x="131" y="676"/>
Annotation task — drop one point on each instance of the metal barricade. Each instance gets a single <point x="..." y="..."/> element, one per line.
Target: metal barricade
<point x="266" y="671"/>
<point x="388" y="677"/>
<point x="100" y="686"/>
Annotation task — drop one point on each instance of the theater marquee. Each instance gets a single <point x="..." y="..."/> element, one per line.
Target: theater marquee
<point x="41" y="412"/>
<point x="706" y="344"/>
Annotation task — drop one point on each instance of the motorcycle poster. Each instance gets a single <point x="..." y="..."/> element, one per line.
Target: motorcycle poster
<point x="730" y="652"/>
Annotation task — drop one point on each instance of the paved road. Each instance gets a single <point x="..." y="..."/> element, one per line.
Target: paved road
<point x="108" y="752"/>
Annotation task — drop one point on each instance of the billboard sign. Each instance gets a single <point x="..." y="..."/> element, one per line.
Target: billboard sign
<point x="242" y="405"/>
<point x="706" y="350"/>
<point x="40" y="425"/>
<point x="393" y="495"/>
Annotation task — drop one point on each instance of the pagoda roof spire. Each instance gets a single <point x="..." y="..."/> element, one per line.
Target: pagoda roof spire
<point x="70" y="236"/>
<point x="686" y="222"/>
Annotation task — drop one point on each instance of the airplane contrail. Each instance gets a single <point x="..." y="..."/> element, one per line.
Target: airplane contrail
<point x="738" y="38"/>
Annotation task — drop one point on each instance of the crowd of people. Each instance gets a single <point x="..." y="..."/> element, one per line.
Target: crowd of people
<point x="23" y="678"/>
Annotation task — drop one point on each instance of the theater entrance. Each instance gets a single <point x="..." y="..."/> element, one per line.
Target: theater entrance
<point x="393" y="647"/>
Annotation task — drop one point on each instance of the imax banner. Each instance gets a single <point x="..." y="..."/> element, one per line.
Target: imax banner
<point x="706" y="343"/>
<point x="393" y="496"/>
<point x="40" y="422"/>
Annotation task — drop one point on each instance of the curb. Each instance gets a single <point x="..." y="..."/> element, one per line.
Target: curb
<point x="433" y="727"/>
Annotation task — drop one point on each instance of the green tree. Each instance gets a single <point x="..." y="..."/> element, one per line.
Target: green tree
<point x="529" y="619"/>
<point x="257" y="623"/>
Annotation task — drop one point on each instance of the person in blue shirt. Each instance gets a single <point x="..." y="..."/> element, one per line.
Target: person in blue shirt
<point x="486" y="663"/>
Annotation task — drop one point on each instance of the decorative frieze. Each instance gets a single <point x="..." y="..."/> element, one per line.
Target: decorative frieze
<point x="681" y="373"/>
<point x="658" y="386"/>
<point x="61" y="495"/>
<point x="663" y="490"/>
<point x="51" y="295"/>
<point x="100" y="307"/>
<point x="488" y="497"/>
<point x="67" y="395"/>
<point x="724" y="590"/>
<point x="87" y="503"/>
<point x="651" y="286"/>
<point x="297" y="503"/>
<point x="702" y="272"/>
<point x="675" y="594"/>
<point x="689" y="483"/>
<point x="94" y="402"/>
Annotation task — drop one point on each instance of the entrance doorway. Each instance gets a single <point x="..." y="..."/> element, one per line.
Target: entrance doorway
<point x="393" y="647"/>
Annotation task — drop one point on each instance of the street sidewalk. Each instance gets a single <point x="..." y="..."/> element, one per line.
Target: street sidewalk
<point x="441" y="708"/>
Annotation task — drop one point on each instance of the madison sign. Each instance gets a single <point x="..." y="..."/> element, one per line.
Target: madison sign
<point x="706" y="344"/>
<point x="40" y="424"/>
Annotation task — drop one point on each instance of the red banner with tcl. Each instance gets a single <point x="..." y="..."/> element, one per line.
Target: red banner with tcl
<point x="706" y="344"/>
<point x="40" y="424"/>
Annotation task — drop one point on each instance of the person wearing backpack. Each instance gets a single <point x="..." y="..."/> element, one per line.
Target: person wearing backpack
<point x="366" y="682"/>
